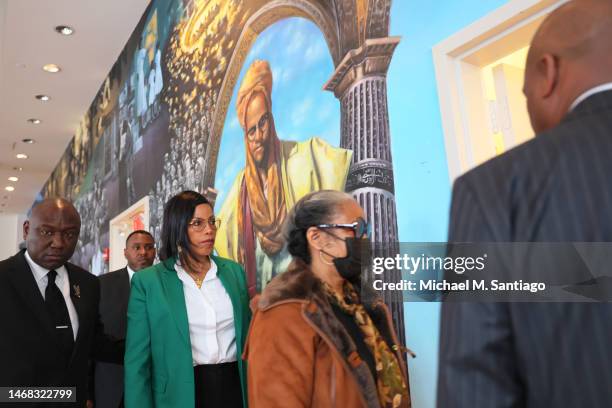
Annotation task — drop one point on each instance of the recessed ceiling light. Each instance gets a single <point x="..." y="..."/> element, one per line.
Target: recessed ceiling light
<point x="64" y="30"/>
<point x="52" y="68"/>
<point x="28" y="141"/>
<point x="18" y="168"/>
<point x="21" y="156"/>
<point x="34" y="121"/>
<point x="13" y="178"/>
<point x="9" y="188"/>
<point x="43" y="98"/>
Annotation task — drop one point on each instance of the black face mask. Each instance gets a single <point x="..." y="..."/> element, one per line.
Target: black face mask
<point x="349" y="267"/>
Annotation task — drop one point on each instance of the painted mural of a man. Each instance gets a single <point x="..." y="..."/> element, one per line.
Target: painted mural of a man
<point x="276" y="175"/>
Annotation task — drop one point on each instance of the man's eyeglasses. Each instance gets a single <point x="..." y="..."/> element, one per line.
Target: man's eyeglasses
<point x="262" y="124"/>
<point x="361" y="228"/>
<point x="66" y="235"/>
<point x="198" y="224"/>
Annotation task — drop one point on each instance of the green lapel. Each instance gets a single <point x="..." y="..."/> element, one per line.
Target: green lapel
<point x="173" y="287"/>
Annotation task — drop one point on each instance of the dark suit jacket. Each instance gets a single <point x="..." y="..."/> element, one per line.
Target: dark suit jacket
<point x="556" y="187"/>
<point x="28" y="343"/>
<point x="114" y="297"/>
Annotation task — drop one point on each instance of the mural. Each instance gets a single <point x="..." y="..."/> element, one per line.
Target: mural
<point x="277" y="173"/>
<point x="254" y="103"/>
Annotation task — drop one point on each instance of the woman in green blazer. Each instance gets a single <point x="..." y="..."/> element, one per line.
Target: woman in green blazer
<point x="188" y="318"/>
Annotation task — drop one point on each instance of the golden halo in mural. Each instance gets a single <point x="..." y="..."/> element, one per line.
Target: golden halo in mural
<point x="205" y="20"/>
<point x="206" y="13"/>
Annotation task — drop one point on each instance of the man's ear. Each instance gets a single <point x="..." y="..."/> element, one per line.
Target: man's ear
<point x="548" y="68"/>
<point x="26" y="229"/>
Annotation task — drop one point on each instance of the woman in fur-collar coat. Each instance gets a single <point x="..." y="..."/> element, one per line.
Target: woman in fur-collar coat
<point x="316" y="340"/>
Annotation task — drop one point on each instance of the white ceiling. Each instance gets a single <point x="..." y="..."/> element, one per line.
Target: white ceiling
<point x="27" y="42"/>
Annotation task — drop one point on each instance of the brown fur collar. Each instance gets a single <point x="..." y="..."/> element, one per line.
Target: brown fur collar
<point x="297" y="283"/>
<point x="300" y="284"/>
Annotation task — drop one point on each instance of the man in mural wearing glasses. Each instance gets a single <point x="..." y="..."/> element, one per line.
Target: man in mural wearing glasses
<point x="277" y="174"/>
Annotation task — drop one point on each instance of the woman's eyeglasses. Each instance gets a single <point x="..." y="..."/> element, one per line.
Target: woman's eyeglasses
<point x="199" y="224"/>
<point x="361" y="228"/>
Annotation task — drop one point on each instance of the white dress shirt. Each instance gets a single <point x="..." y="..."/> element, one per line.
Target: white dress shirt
<point x="130" y="273"/>
<point x="211" y="318"/>
<point x="591" y="92"/>
<point x="62" y="282"/>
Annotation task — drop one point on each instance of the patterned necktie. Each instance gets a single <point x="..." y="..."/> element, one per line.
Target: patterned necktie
<point x="56" y="306"/>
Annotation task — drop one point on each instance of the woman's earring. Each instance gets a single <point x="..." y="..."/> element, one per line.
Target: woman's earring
<point x="179" y="249"/>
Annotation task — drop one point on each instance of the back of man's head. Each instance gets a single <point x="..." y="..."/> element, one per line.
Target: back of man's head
<point x="570" y="54"/>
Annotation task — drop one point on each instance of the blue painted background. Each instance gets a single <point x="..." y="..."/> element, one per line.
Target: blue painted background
<point x="419" y="159"/>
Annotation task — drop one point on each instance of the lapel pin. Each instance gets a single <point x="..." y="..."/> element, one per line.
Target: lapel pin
<point x="77" y="291"/>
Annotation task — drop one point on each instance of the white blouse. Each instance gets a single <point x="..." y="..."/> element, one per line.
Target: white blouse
<point x="211" y="318"/>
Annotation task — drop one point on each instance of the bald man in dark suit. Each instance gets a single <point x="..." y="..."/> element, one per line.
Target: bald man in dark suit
<point x="49" y="308"/>
<point x="554" y="188"/>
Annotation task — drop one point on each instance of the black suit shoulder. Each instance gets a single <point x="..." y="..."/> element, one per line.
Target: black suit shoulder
<point x="553" y="188"/>
<point x="5" y="266"/>
<point x="113" y="281"/>
<point x="584" y="135"/>
<point x="489" y="191"/>
<point x="515" y="164"/>
<point x="113" y="275"/>
<point x="82" y="275"/>
<point x="561" y="171"/>
<point x="8" y="264"/>
<point x="80" y="271"/>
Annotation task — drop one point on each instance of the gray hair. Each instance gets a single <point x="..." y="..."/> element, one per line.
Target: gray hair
<point x="313" y="209"/>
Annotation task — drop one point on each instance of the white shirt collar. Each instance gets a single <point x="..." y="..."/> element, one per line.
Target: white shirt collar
<point x="130" y="272"/>
<point x="40" y="272"/>
<point x="212" y="272"/>
<point x="600" y="88"/>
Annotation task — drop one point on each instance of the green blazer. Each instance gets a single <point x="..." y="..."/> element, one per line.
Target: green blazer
<point x="158" y="361"/>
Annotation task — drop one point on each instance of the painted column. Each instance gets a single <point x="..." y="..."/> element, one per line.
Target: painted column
<point x="360" y="83"/>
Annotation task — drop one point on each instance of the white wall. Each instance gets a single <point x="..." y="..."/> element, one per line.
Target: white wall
<point x="10" y="234"/>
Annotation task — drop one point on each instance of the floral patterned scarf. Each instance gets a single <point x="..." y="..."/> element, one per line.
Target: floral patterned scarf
<point x="392" y="388"/>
